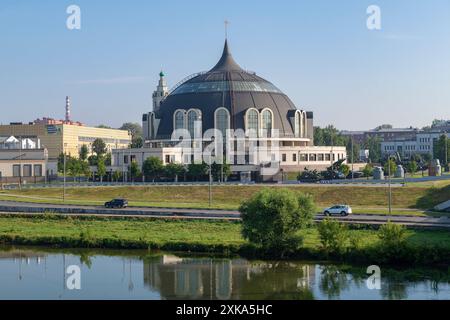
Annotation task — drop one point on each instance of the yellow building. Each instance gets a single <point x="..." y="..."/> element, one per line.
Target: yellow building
<point x="69" y="137"/>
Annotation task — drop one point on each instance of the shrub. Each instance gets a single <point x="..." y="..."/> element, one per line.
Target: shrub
<point x="333" y="235"/>
<point x="272" y="217"/>
<point x="392" y="235"/>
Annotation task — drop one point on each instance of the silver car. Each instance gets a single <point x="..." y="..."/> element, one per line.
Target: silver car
<point x="343" y="210"/>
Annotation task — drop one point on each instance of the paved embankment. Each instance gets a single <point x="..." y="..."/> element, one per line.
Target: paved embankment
<point x="374" y="219"/>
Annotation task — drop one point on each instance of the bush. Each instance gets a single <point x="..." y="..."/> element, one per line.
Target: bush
<point x="392" y="235"/>
<point x="333" y="235"/>
<point x="272" y="217"/>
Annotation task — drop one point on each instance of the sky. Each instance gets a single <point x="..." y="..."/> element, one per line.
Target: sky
<point x="319" y="52"/>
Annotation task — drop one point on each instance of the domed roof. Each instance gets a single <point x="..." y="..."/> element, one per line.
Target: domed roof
<point x="227" y="85"/>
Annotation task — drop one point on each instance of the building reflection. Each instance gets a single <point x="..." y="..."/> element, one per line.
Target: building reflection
<point x="202" y="278"/>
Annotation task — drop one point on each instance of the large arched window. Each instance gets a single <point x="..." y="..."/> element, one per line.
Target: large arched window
<point x="252" y="120"/>
<point x="303" y="126"/>
<point x="266" y="123"/>
<point x="179" y="120"/>
<point x="222" y="120"/>
<point x="193" y="116"/>
<point x="297" y="124"/>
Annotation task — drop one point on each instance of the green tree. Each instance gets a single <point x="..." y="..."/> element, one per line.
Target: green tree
<point x="153" y="167"/>
<point x="92" y="160"/>
<point x="174" y="170"/>
<point x="272" y="217"/>
<point x="412" y="167"/>
<point x="117" y="175"/>
<point x="73" y="167"/>
<point x="134" y="128"/>
<point x="333" y="235"/>
<point x="355" y="151"/>
<point x="134" y="170"/>
<point x="439" y="150"/>
<point x="197" y="170"/>
<point x="84" y="168"/>
<point x="84" y="151"/>
<point x="103" y="126"/>
<point x="101" y="168"/>
<point x="373" y="144"/>
<point x="137" y="143"/>
<point x="390" y="166"/>
<point x="220" y="170"/>
<point x="368" y="170"/>
<point x="99" y="147"/>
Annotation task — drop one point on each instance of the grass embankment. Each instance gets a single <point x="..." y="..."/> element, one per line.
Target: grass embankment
<point x="217" y="237"/>
<point x="363" y="199"/>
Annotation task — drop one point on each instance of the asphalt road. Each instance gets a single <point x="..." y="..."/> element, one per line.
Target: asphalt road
<point x="33" y="208"/>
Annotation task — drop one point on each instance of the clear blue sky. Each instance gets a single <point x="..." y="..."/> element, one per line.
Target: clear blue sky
<point x="319" y="52"/>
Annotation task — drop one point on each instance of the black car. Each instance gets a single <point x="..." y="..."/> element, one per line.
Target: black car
<point x="116" y="203"/>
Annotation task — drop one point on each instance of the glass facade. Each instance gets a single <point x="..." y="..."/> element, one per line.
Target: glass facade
<point x="215" y="86"/>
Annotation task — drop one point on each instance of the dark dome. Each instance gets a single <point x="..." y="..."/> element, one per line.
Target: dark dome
<point x="227" y="85"/>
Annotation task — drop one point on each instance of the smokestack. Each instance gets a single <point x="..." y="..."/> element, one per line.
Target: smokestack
<point x="67" y="109"/>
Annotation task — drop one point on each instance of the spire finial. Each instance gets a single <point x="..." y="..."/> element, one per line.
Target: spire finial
<point x="226" y="22"/>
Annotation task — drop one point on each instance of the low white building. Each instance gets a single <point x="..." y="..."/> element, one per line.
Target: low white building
<point x="22" y="160"/>
<point x="422" y="144"/>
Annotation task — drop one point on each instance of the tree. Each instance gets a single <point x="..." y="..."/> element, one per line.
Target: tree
<point x="439" y="150"/>
<point x="272" y="217"/>
<point x="390" y="167"/>
<point x="73" y="167"/>
<point x="373" y="144"/>
<point x="220" y="170"/>
<point x="101" y="168"/>
<point x="368" y="170"/>
<point x="117" y="175"/>
<point x="197" y="170"/>
<point x="137" y="143"/>
<point x="103" y="126"/>
<point x="174" y="170"/>
<point x="356" y="149"/>
<point x="85" y="170"/>
<point x="134" y="128"/>
<point x="412" y="167"/>
<point x="153" y="167"/>
<point x="84" y="151"/>
<point x="134" y="170"/>
<point x="333" y="235"/>
<point x="99" y="147"/>
<point x="92" y="160"/>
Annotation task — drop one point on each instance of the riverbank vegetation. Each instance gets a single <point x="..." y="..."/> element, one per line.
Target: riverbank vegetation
<point x="424" y="247"/>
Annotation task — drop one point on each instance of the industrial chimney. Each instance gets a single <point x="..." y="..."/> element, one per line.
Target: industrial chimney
<point x="67" y="109"/>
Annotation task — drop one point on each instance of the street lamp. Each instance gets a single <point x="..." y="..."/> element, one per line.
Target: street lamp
<point x="64" y="173"/>
<point x="389" y="182"/>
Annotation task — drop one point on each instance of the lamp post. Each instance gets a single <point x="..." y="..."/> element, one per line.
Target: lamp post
<point x="446" y="152"/>
<point x="389" y="182"/>
<point x="64" y="173"/>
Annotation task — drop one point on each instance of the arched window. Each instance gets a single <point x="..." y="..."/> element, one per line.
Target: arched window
<point x="222" y="120"/>
<point x="193" y="117"/>
<point x="303" y="132"/>
<point x="297" y="123"/>
<point x="266" y="123"/>
<point x="179" y="120"/>
<point x="252" y="120"/>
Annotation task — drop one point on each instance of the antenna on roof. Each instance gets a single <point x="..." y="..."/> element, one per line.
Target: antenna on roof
<point x="226" y="22"/>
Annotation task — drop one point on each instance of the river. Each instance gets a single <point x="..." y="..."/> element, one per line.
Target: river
<point x="45" y="273"/>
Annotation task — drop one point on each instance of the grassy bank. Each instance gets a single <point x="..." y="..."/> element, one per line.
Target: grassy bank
<point x="221" y="237"/>
<point x="229" y="197"/>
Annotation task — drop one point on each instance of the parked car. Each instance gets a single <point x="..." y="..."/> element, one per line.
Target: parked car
<point x="343" y="210"/>
<point x="116" y="203"/>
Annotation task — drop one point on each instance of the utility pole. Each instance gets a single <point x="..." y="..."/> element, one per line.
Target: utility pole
<point x="446" y="152"/>
<point x="20" y="162"/>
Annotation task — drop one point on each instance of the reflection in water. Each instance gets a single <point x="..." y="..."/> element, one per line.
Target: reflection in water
<point x="125" y="275"/>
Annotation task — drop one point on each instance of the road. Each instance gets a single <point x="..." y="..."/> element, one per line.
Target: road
<point x="11" y="207"/>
